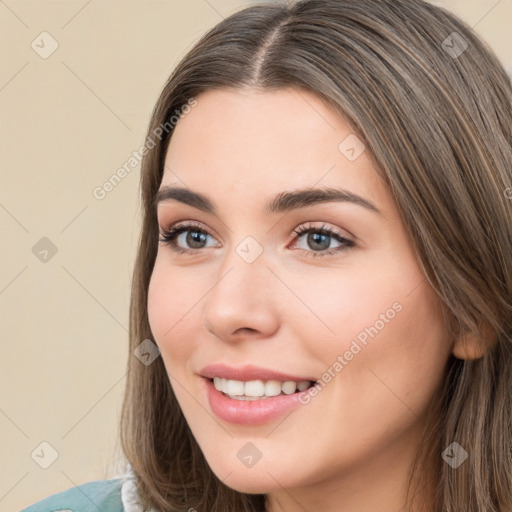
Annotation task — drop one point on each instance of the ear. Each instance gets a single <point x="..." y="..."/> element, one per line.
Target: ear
<point x="470" y="346"/>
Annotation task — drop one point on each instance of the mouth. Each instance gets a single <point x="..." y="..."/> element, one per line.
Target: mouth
<point x="258" y="389"/>
<point x="254" y="402"/>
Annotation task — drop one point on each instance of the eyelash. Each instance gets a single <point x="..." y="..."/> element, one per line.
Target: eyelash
<point x="169" y="236"/>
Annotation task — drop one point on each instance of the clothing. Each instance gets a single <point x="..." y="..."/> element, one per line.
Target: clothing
<point x="115" y="495"/>
<point x="104" y="495"/>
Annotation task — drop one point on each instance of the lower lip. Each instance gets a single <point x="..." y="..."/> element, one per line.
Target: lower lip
<point x="250" y="412"/>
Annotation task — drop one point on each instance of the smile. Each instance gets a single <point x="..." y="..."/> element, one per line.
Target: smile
<point x="258" y="389"/>
<point x="253" y="410"/>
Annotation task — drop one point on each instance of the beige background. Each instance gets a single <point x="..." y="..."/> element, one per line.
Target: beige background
<point x="68" y="122"/>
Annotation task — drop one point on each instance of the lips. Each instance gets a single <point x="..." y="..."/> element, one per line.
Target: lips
<point x="250" y="372"/>
<point x="249" y="413"/>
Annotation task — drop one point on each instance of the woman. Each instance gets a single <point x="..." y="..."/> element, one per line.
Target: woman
<point x="321" y="303"/>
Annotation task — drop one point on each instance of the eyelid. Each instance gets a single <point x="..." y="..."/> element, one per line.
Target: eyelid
<point x="310" y="226"/>
<point x="189" y="224"/>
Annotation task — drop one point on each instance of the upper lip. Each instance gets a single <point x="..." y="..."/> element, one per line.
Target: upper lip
<point x="249" y="372"/>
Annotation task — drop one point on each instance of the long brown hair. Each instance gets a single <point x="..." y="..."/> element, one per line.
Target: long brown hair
<point x="434" y="105"/>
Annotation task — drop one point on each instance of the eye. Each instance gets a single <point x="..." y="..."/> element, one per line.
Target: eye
<point x="318" y="238"/>
<point x="195" y="236"/>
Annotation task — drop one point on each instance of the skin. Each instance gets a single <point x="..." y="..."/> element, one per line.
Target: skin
<point x="351" y="446"/>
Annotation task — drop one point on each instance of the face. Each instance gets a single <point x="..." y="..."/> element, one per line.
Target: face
<point x="326" y="291"/>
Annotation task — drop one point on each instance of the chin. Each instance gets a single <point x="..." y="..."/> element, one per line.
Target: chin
<point x="250" y="484"/>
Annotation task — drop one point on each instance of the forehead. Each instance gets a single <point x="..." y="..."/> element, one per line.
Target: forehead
<point x="294" y="121"/>
<point x="252" y="143"/>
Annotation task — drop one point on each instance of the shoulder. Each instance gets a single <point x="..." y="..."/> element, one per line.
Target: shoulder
<point x="104" y="495"/>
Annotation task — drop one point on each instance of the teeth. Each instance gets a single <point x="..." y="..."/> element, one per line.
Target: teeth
<point x="272" y="388"/>
<point x="251" y="388"/>
<point x="289" y="387"/>
<point x="303" y="385"/>
<point x="256" y="389"/>
<point x="233" y="387"/>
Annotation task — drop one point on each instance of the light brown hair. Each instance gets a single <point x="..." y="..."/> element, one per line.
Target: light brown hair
<point x="437" y="117"/>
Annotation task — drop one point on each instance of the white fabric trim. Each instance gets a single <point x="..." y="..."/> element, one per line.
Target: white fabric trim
<point x="129" y="495"/>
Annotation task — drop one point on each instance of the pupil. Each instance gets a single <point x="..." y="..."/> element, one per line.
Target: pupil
<point x="195" y="237"/>
<point x="315" y="236"/>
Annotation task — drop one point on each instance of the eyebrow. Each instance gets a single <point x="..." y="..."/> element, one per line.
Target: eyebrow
<point x="282" y="202"/>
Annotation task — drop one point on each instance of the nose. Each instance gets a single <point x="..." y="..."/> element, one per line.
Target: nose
<point x="243" y="302"/>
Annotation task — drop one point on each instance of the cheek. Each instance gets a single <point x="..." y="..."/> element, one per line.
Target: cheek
<point x="357" y="303"/>
<point x="387" y="325"/>
<point x="401" y="358"/>
<point x="171" y="311"/>
<point x="421" y="342"/>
